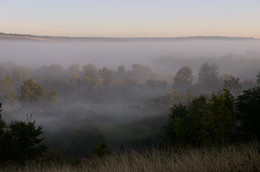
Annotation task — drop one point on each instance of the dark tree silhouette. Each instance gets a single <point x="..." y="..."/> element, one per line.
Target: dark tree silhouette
<point x="20" y="140"/>
<point x="258" y="78"/>
<point x="248" y="106"/>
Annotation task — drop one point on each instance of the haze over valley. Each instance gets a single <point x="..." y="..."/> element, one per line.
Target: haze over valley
<point x="129" y="85"/>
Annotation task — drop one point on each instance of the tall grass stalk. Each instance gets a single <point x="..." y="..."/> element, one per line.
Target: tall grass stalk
<point x="232" y="158"/>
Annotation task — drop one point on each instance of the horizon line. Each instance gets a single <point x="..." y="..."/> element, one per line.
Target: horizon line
<point x="130" y="37"/>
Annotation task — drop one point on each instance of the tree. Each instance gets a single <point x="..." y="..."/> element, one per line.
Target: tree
<point x="2" y="71"/>
<point x="220" y="117"/>
<point x="233" y="85"/>
<point x="90" y="75"/>
<point x="20" y="140"/>
<point x="121" y="72"/>
<point x="203" y="122"/>
<point x="32" y="92"/>
<point x="258" y="78"/>
<point x="106" y="74"/>
<point x="74" y="68"/>
<point x="19" y="74"/>
<point x="248" y="108"/>
<point x="141" y="73"/>
<point x="185" y="124"/>
<point x="56" y="71"/>
<point x="75" y="81"/>
<point x="208" y="76"/>
<point x="183" y="77"/>
<point x="25" y="143"/>
<point x="7" y="91"/>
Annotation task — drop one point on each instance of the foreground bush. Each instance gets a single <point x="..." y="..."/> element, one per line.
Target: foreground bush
<point x="20" y="140"/>
<point x="232" y="158"/>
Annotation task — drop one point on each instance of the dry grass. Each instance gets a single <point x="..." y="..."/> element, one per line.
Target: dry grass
<point x="234" y="158"/>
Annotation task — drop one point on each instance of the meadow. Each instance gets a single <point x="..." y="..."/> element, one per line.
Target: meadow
<point x="244" y="157"/>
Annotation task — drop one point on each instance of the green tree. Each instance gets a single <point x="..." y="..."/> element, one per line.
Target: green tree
<point x="185" y="125"/>
<point x="25" y="143"/>
<point x="32" y="92"/>
<point x="141" y="73"/>
<point x="183" y="77"/>
<point x="208" y="77"/>
<point x="248" y="106"/>
<point x="203" y="122"/>
<point x="7" y="90"/>
<point x="220" y="117"/>
<point x="20" y="140"/>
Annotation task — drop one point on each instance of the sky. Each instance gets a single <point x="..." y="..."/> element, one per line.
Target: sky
<point x="131" y="18"/>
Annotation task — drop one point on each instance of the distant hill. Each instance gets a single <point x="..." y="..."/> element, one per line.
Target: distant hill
<point x="12" y="36"/>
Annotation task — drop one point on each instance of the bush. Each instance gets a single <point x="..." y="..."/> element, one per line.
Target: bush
<point x="19" y="140"/>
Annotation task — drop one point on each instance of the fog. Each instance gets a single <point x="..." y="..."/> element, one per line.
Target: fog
<point x="114" y="53"/>
<point x="121" y="107"/>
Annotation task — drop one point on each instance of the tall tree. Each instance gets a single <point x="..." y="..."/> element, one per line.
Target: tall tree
<point x="248" y="107"/>
<point x="258" y="78"/>
<point x="233" y="85"/>
<point x="208" y="73"/>
<point x="7" y="90"/>
<point x="183" y="77"/>
<point x="32" y="92"/>
<point x="208" y="77"/>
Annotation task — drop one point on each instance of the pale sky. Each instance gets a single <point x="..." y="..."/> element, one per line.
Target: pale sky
<point x="131" y="18"/>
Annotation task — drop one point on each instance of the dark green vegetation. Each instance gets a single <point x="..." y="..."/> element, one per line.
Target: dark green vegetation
<point x="91" y="112"/>
<point x="20" y="140"/>
<point x="221" y="119"/>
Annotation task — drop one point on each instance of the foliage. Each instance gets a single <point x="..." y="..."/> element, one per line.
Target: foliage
<point x="7" y="90"/>
<point x="19" y="140"/>
<point x="185" y="123"/>
<point x="203" y="122"/>
<point x="34" y="92"/>
<point x="248" y="106"/>
<point x="233" y="85"/>
<point x="208" y="76"/>
<point x="141" y="72"/>
<point x="183" y="77"/>
<point x="220" y="117"/>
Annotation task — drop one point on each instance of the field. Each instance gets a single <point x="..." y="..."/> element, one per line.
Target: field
<point x="229" y="158"/>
